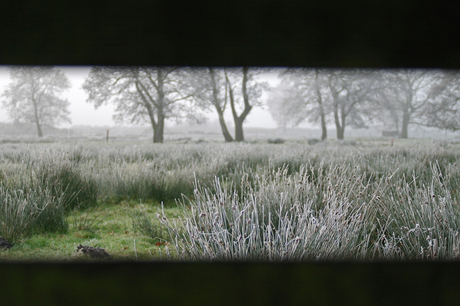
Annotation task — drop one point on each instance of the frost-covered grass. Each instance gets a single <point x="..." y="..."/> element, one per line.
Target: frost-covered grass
<point x="292" y="201"/>
<point x="338" y="214"/>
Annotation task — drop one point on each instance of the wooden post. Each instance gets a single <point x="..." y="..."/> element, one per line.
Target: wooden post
<point x="107" y="138"/>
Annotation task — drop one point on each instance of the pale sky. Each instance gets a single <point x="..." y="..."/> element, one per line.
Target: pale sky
<point x="83" y="113"/>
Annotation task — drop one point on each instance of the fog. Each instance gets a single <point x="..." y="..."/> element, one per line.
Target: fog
<point x="83" y="113"/>
<point x="392" y="102"/>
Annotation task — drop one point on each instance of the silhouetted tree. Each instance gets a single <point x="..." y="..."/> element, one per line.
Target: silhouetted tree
<point x="282" y="107"/>
<point x="406" y="94"/>
<point x="443" y="109"/>
<point x="351" y="93"/>
<point x="243" y="88"/>
<point x="301" y="96"/>
<point x="213" y="91"/>
<point x="144" y="94"/>
<point x="312" y="94"/>
<point x="33" y="96"/>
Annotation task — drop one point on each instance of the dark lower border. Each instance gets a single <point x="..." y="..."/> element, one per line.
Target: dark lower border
<point x="132" y="283"/>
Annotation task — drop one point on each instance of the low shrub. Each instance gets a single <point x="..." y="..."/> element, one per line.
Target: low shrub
<point x="78" y="192"/>
<point x="142" y="223"/>
<point x="276" y="141"/>
<point x="276" y="221"/>
<point x="37" y="196"/>
<point x="31" y="210"/>
<point x="336" y="212"/>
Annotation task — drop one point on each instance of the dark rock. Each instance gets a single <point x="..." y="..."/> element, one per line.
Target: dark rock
<point x="96" y="253"/>
<point x="5" y="244"/>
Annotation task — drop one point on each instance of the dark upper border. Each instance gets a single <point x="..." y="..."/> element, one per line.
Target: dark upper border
<point x="390" y="33"/>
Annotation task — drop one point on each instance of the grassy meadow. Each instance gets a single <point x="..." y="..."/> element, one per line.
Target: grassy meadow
<point x="360" y="200"/>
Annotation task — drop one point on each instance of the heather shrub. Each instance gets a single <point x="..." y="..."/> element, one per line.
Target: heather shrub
<point x="31" y="209"/>
<point x="278" y="220"/>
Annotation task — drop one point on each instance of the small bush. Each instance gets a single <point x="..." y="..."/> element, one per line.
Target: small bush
<point x="276" y="141"/>
<point x="313" y="141"/>
<point x="27" y="211"/>
<point x="266" y="224"/>
<point x="78" y="193"/>
<point x="38" y="200"/>
<point x="143" y="224"/>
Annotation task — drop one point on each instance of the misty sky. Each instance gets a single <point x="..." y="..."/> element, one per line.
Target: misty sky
<point x="83" y="113"/>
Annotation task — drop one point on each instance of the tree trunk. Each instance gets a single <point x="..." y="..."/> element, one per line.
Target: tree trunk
<point x="337" y="124"/>
<point x="155" y="126"/>
<point x="321" y="109"/>
<point x="340" y="126"/>
<point x="39" y="129"/>
<point x="158" y="130"/>
<point x="323" y="126"/>
<point x="405" y="125"/>
<point x="239" y="135"/>
<point x="37" y="121"/>
<point x="220" y="110"/>
<point x="223" y="126"/>
<point x="341" y="133"/>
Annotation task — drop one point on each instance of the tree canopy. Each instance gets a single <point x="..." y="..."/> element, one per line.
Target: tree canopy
<point x="33" y="96"/>
<point x="144" y="94"/>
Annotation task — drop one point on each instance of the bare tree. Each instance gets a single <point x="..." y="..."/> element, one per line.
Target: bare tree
<point x="314" y="93"/>
<point x="443" y="109"/>
<point x="350" y="92"/>
<point x="144" y="94"/>
<point x="213" y="91"/>
<point x="320" y="101"/>
<point x="33" y="96"/>
<point x="305" y="96"/>
<point x="383" y="103"/>
<point x="285" y="105"/>
<point x="248" y="94"/>
<point x="407" y="93"/>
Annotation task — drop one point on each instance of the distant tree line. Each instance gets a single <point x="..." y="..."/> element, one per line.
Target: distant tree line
<point x="153" y="94"/>
<point x="344" y="97"/>
<point x="140" y="94"/>
<point x="358" y="97"/>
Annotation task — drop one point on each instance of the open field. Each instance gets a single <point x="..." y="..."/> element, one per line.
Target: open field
<point x="360" y="199"/>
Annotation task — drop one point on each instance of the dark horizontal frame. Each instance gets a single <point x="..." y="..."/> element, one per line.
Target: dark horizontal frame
<point x="333" y="33"/>
<point x="372" y="34"/>
<point x="166" y="283"/>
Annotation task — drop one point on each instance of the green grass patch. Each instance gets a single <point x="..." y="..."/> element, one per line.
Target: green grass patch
<point x="108" y="226"/>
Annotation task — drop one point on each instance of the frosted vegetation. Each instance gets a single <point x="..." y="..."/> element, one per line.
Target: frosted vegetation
<point x="249" y="201"/>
